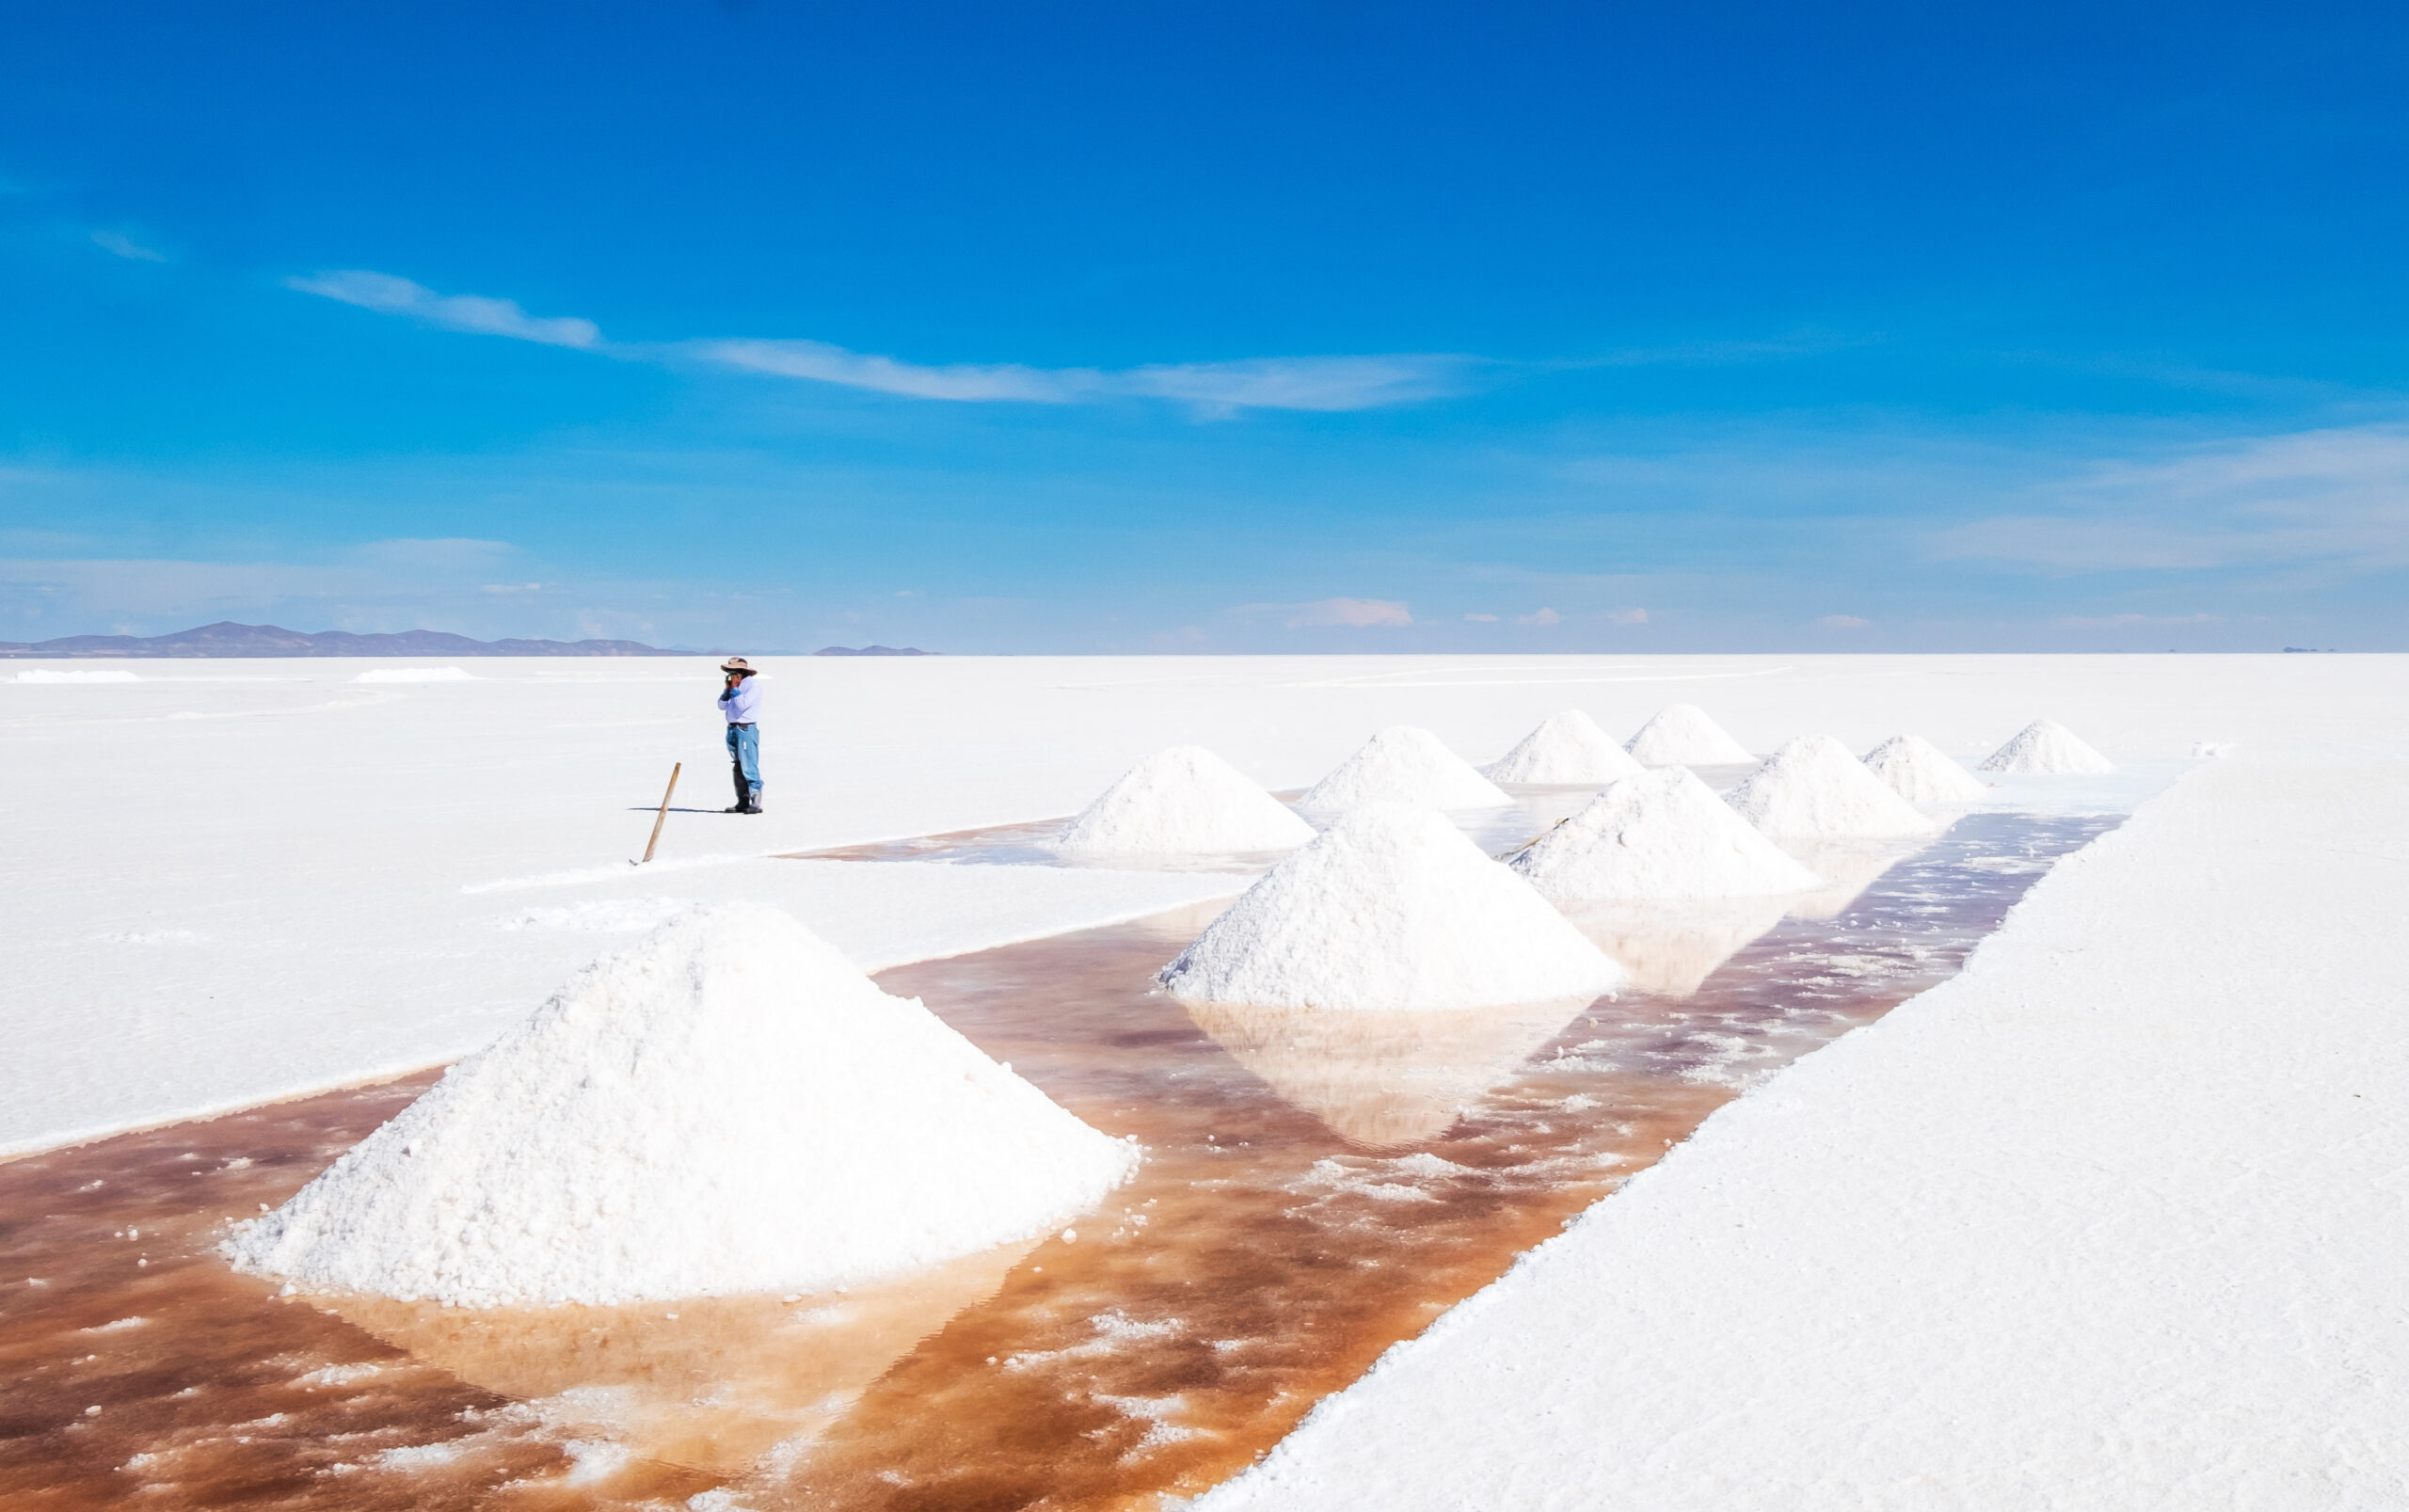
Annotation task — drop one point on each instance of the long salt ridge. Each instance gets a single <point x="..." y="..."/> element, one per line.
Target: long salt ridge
<point x="728" y="1107"/>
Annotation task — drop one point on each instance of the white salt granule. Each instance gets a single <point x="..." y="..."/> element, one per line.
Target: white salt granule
<point x="1814" y="787"/>
<point x="1390" y="908"/>
<point x="1180" y="802"/>
<point x="1662" y="834"/>
<point x="2046" y="747"/>
<point x="1680" y="735"/>
<point x="1566" y="748"/>
<point x="727" y="1107"/>
<point x="1403" y="765"/>
<point x="1921" y="772"/>
<point x="46" y="675"/>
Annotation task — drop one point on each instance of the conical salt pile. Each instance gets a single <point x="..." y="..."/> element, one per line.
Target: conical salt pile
<point x="1390" y="908"/>
<point x="1180" y="802"/>
<point x="728" y="1107"/>
<point x="1814" y="787"/>
<point x="2045" y="747"/>
<point x="1662" y="834"/>
<point x="1921" y="772"/>
<point x="1403" y="765"/>
<point x="1567" y="748"/>
<point x="1680" y="735"/>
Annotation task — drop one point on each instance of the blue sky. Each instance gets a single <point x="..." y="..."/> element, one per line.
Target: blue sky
<point x="1242" y="328"/>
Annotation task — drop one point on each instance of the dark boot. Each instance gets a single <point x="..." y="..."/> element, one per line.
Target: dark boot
<point x="743" y="803"/>
<point x="752" y="801"/>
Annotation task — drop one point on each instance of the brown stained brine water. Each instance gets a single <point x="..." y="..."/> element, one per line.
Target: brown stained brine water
<point x="1317" y="1187"/>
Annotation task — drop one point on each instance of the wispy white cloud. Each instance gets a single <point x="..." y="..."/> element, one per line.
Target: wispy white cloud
<point x="1353" y="613"/>
<point x="391" y="295"/>
<point x="1627" y="616"/>
<point x="2327" y="494"/>
<point x="1542" y="617"/>
<point x="119" y="245"/>
<point x="1307" y="382"/>
<point x="1843" y="622"/>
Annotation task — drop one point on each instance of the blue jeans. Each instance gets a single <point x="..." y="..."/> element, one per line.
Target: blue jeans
<point x="744" y="748"/>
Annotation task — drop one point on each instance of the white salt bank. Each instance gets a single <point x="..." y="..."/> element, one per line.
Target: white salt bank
<point x="1567" y="748"/>
<point x="1184" y="801"/>
<point x="1661" y="835"/>
<point x="1403" y="765"/>
<point x="1390" y="908"/>
<point x="728" y="1106"/>
<point x="1814" y="787"/>
<point x="2046" y="747"/>
<point x="1921" y="772"/>
<point x="1680" y="735"/>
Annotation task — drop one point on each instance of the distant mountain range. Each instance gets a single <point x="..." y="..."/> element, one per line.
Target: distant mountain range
<point x="228" y="639"/>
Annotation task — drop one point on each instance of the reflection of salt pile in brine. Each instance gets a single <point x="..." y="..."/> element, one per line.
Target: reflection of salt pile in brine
<point x="1680" y="735"/>
<point x="1848" y="866"/>
<point x="1181" y="802"/>
<point x="1403" y="765"/>
<point x="2046" y="747"/>
<point x="1662" y="834"/>
<point x="1670" y="949"/>
<point x="1390" y="908"/>
<point x="1566" y="749"/>
<point x="1814" y="787"/>
<point x="1383" y="1080"/>
<point x="728" y="1107"/>
<point x="1921" y="772"/>
<point x="715" y="1383"/>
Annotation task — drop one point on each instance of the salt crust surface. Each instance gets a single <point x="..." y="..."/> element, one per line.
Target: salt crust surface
<point x="2113" y="1218"/>
<point x="1921" y="772"/>
<point x="1661" y="835"/>
<point x="2047" y="747"/>
<point x="1567" y="748"/>
<point x="728" y="1107"/>
<point x="1403" y="764"/>
<point x="416" y="675"/>
<point x="1682" y="735"/>
<point x="1390" y="908"/>
<point x="239" y="807"/>
<point x="1183" y="802"/>
<point x="1814" y="787"/>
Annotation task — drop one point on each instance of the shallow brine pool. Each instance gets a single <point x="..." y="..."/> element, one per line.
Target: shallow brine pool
<point x="1317" y="1187"/>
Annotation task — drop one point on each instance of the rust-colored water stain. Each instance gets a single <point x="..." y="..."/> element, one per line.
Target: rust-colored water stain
<point x="1318" y="1187"/>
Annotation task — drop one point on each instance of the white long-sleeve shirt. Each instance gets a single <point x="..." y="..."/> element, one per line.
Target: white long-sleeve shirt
<point x="739" y="702"/>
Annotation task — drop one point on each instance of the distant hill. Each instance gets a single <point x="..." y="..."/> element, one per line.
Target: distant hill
<point x="228" y="639"/>
<point x="873" y="650"/>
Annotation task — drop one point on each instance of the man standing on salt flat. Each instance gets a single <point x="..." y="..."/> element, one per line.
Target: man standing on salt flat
<point x="739" y="701"/>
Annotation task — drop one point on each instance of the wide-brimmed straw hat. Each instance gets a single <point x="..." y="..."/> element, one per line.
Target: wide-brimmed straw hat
<point x="737" y="663"/>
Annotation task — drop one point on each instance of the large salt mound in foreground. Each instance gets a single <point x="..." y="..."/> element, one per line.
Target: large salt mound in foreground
<point x="1662" y="834"/>
<point x="1390" y="908"/>
<point x="1403" y="765"/>
<point x="1680" y="735"/>
<point x="2046" y="747"/>
<point x="728" y="1107"/>
<point x="1182" y="801"/>
<point x="1566" y="748"/>
<point x="1921" y="772"/>
<point x="1814" y="787"/>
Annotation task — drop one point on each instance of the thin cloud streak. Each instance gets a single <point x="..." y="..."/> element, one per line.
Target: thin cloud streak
<point x="1325" y="384"/>
<point x="117" y="244"/>
<point x="477" y="314"/>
